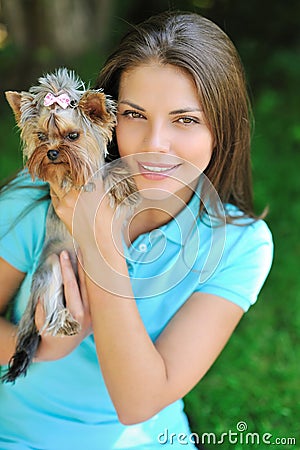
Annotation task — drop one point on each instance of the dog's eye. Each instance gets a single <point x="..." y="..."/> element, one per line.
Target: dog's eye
<point x="73" y="136"/>
<point x="41" y="136"/>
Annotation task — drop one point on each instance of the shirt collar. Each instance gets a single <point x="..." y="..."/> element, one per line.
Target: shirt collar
<point x="179" y="228"/>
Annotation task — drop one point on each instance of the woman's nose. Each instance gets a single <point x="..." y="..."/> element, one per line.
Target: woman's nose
<point x="157" y="139"/>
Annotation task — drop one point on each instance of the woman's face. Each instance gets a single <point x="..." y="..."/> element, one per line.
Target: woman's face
<point x="161" y="128"/>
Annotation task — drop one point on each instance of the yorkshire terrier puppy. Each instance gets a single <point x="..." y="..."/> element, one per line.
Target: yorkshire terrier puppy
<point x="65" y="129"/>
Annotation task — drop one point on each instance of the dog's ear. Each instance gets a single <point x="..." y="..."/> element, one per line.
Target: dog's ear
<point x="95" y="105"/>
<point x="14" y="100"/>
<point x="22" y="104"/>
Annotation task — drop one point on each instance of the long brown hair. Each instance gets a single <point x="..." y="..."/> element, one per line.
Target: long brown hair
<point x="202" y="49"/>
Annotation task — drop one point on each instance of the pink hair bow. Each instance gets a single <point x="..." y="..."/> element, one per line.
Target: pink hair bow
<point x="62" y="100"/>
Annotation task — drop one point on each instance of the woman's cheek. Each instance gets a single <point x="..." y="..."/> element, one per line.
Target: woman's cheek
<point x="124" y="139"/>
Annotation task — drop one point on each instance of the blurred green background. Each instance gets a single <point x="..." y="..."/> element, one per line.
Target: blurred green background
<point x="256" y="379"/>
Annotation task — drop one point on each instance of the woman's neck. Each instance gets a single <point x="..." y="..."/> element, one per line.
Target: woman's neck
<point x="152" y="214"/>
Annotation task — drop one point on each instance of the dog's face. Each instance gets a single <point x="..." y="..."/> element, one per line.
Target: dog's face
<point x="63" y="143"/>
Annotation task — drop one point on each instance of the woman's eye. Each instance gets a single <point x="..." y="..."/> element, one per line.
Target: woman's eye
<point x="41" y="136"/>
<point x="187" y="120"/>
<point x="132" y="114"/>
<point x="73" y="136"/>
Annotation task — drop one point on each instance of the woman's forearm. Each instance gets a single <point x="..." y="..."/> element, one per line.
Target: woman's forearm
<point x="133" y="370"/>
<point x="10" y="281"/>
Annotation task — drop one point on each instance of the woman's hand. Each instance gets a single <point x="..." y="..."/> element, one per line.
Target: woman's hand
<point x="95" y="226"/>
<point x="87" y="214"/>
<point x="64" y="204"/>
<point x="56" y="347"/>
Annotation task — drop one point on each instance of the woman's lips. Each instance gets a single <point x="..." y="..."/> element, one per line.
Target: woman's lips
<point x="156" y="171"/>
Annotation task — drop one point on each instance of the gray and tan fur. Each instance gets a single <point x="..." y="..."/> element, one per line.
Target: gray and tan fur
<point x="65" y="145"/>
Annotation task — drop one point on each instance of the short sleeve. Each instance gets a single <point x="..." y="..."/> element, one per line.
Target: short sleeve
<point x="22" y="222"/>
<point x="244" y="266"/>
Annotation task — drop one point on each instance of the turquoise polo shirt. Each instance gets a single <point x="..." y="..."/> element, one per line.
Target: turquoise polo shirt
<point x="188" y="255"/>
<point x="64" y="404"/>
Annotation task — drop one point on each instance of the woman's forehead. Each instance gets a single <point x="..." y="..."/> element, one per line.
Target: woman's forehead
<point x="158" y="79"/>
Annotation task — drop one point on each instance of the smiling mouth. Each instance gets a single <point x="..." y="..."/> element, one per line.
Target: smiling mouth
<point x="157" y="171"/>
<point x="158" y="168"/>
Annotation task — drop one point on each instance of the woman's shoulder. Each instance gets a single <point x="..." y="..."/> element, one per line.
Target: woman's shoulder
<point x="22" y="185"/>
<point x="23" y="209"/>
<point x="248" y="244"/>
<point x="244" y="258"/>
<point x="22" y="195"/>
<point x="247" y="228"/>
<point x="23" y="192"/>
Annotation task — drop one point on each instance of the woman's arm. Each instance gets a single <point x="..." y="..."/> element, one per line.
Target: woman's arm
<point x="10" y="281"/>
<point x="142" y="377"/>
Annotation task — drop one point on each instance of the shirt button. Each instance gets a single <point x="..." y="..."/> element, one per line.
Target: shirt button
<point x="143" y="248"/>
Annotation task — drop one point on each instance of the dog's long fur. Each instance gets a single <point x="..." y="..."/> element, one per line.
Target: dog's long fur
<point x="66" y="146"/>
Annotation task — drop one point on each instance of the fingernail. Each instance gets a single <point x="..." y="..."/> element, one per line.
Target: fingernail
<point x="65" y="254"/>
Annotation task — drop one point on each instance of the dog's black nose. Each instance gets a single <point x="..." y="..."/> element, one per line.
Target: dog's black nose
<point x="52" y="154"/>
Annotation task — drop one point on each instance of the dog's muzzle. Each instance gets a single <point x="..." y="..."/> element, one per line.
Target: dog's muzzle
<point x="53" y="154"/>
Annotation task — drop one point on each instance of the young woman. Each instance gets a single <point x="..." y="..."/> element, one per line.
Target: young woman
<point x="161" y="292"/>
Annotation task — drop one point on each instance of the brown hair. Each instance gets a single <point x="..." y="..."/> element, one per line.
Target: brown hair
<point x="201" y="48"/>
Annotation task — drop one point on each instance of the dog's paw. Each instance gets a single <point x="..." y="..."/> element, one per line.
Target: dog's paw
<point x="63" y="324"/>
<point x="89" y="187"/>
<point x="121" y="186"/>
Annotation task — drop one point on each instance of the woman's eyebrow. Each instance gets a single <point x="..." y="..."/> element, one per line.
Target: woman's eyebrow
<point x="132" y="105"/>
<point x="177" y="111"/>
<point x="185" y="110"/>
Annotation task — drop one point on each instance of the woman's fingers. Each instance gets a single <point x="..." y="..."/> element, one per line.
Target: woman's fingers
<point x="39" y="316"/>
<point x="56" y="195"/>
<point x="54" y="347"/>
<point x="72" y="292"/>
<point x="64" y="204"/>
<point x="82" y="281"/>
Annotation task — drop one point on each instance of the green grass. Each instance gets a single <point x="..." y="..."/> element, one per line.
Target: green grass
<point x="10" y="147"/>
<point x="256" y="379"/>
